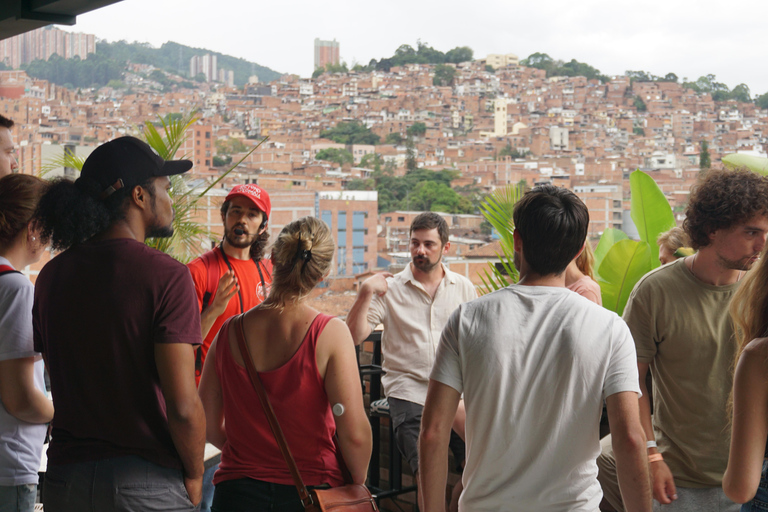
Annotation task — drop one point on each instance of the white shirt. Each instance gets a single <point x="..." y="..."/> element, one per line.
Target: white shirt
<point x="21" y="443"/>
<point x="535" y="364"/>
<point x="412" y="323"/>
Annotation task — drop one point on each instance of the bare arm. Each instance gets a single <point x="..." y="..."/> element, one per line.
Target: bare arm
<point x="357" y="318"/>
<point x="19" y="395"/>
<point x="664" y="490"/>
<point x="226" y="289"/>
<point x="628" y="441"/>
<point x="338" y="365"/>
<point x="439" y="413"/>
<point x="186" y="419"/>
<point x="750" y="423"/>
<point x="210" y="396"/>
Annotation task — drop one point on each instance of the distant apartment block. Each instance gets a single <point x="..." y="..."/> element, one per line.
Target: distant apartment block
<point x="205" y="64"/>
<point x="227" y="77"/>
<point x="199" y="146"/>
<point x="352" y="217"/>
<point x="326" y="52"/>
<point x="497" y="61"/>
<point x="41" y="43"/>
<point x="605" y="205"/>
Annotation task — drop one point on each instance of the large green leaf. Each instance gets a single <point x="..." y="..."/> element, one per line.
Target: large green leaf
<point x="626" y="262"/>
<point x="651" y="212"/>
<point x="609" y="237"/>
<point x="756" y="164"/>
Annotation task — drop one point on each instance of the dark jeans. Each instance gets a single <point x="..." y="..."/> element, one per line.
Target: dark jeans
<point x="760" y="502"/>
<point x="124" y="484"/>
<point x="247" y="495"/>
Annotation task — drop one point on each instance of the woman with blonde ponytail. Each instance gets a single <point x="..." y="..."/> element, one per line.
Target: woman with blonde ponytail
<point x="746" y="477"/>
<point x="308" y="366"/>
<point x="25" y="407"/>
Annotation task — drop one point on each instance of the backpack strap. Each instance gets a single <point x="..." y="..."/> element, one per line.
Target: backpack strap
<point x="211" y="260"/>
<point x="7" y="269"/>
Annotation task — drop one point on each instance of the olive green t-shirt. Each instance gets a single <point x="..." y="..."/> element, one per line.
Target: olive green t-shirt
<point x="682" y="328"/>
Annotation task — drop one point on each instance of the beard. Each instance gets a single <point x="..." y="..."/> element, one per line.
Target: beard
<point x="742" y="264"/>
<point x="157" y="230"/>
<point x="423" y="264"/>
<point x="239" y="241"/>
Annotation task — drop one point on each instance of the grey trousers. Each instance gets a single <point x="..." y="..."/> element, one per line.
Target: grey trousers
<point x="710" y="499"/>
<point x="124" y="484"/>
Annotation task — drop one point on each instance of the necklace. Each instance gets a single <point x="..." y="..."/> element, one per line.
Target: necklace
<point x="693" y="263"/>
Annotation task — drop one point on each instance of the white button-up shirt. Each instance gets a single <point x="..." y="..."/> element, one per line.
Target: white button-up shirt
<point x="413" y="322"/>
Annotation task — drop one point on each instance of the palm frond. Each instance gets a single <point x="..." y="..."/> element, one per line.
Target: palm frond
<point x="497" y="209"/>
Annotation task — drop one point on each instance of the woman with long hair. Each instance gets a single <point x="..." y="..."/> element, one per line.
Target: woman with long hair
<point x="746" y="477"/>
<point x="308" y="366"/>
<point x="580" y="276"/>
<point x="25" y="407"/>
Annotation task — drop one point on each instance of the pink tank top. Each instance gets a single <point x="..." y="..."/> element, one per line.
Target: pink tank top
<point x="297" y="393"/>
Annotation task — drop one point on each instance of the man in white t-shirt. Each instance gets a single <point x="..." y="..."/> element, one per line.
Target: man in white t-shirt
<point x="535" y="362"/>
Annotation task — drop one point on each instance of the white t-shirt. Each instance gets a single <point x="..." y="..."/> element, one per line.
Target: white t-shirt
<point x="534" y="364"/>
<point x="21" y="443"/>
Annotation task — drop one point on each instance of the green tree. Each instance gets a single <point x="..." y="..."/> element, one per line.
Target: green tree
<point x="762" y="101"/>
<point x="417" y="129"/>
<point x="511" y="152"/>
<point x="393" y="138"/>
<point x="444" y="75"/>
<point x="339" y="156"/>
<point x="639" y="104"/>
<point x="637" y="130"/>
<point x="352" y="132"/>
<point x="359" y="184"/>
<point x="459" y="54"/>
<point x="489" y="69"/>
<point x="410" y="154"/>
<point x="372" y="161"/>
<point x="705" y="161"/>
<point x="741" y="93"/>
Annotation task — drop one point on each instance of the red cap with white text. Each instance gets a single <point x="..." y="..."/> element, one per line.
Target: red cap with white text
<point x="257" y="195"/>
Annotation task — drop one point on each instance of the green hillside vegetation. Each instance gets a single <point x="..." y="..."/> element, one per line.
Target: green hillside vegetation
<point x="110" y="60"/>
<point x="422" y="54"/>
<point x="560" y="68"/>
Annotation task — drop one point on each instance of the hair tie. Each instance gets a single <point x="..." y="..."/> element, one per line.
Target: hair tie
<point x="304" y="254"/>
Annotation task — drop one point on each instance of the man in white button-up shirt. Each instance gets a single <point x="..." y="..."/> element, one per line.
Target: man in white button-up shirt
<point x="413" y="306"/>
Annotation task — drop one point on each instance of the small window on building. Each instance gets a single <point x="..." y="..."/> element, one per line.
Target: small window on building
<point x="401" y="219"/>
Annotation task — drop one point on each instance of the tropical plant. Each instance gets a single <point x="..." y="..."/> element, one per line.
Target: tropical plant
<point x="621" y="262"/>
<point x="756" y="164"/>
<point x="497" y="209"/>
<point x="188" y="235"/>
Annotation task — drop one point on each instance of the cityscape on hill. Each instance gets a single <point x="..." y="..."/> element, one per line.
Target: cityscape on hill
<point x="364" y="148"/>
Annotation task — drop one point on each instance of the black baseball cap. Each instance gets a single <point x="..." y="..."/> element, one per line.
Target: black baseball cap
<point x="126" y="162"/>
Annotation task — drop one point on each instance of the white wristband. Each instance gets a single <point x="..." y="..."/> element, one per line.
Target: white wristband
<point x="650" y="444"/>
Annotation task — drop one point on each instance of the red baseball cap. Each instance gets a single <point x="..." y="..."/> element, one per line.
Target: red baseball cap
<point x="257" y="195"/>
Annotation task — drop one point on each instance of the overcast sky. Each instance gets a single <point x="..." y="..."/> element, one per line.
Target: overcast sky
<point x="686" y="37"/>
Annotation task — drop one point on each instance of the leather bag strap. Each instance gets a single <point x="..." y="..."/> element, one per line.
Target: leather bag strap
<point x="306" y="499"/>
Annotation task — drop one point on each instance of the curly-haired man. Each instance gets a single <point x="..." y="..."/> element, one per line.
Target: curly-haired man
<point x="678" y="316"/>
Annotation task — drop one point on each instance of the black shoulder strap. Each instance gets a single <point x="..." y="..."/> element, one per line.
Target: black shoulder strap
<point x="7" y="269"/>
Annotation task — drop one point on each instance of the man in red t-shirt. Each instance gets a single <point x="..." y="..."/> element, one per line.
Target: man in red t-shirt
<point x="233" y="277"/>
<point x="243" y="275"/>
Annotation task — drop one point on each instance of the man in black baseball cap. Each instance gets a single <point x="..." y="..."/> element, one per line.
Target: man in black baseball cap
<point x="117" y="323"/>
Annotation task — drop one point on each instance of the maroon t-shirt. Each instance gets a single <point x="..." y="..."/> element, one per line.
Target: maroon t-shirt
<point x="100" y="307"/>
